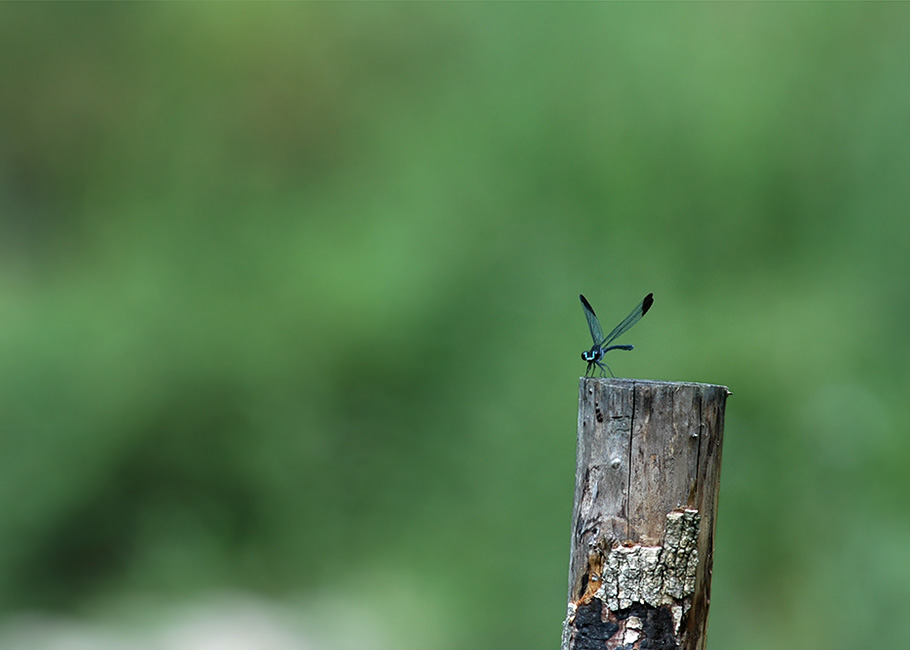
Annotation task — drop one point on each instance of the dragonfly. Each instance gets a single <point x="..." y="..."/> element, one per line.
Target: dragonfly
<point x="601" y="346"/>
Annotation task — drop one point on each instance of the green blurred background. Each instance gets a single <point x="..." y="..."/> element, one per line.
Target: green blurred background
<point x="289" y="306"/>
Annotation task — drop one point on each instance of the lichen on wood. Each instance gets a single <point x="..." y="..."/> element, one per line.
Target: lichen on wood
<point x="655" y="576"/>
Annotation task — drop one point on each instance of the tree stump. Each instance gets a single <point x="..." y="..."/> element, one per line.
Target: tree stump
<point x="646" y="488"/>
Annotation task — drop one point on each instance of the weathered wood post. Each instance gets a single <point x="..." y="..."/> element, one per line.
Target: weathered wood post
<point x="646" y="486"/>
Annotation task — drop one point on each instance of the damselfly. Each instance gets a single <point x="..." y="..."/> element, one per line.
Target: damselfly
<point x="602" y="343"/>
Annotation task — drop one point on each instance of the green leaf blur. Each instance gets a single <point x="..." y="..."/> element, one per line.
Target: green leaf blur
<point x="289" y="302"/>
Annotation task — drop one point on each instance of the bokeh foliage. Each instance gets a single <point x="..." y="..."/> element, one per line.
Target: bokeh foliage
<point x="288" y="300"/>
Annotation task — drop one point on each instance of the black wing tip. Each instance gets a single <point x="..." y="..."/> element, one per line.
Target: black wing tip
<point x="585" y="302"/>
<point x="646" y="303"/>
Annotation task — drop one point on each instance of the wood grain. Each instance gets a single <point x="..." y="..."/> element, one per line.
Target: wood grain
<point x="646" y="493"/>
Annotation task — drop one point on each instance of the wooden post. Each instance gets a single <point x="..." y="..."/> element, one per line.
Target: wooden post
<point x="646" y="486"/>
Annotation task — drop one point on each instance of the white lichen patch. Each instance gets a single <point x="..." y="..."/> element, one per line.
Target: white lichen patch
<point x="634" y="627"/>
<point x="567" y="626"/>
<point x="654" y="575"/>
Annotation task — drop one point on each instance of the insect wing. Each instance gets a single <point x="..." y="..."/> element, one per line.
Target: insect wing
<point x="629" y="320"/>
<point x="593" y="324"/>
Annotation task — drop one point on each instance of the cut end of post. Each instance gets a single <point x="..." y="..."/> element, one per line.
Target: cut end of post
<point x="650" y="382"/>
